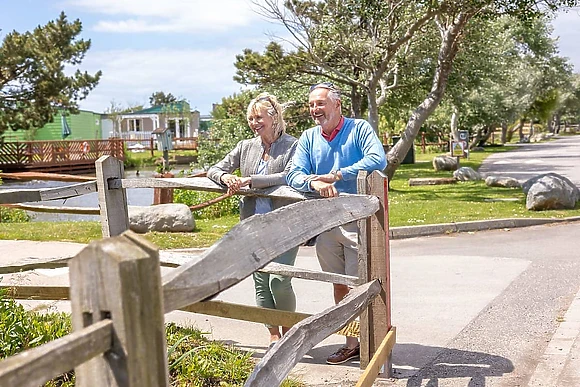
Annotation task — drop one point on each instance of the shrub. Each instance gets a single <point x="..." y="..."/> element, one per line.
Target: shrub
<point x="228" y="206"/>
<point x="12" y="215"/>
<point x="21" y="330"/>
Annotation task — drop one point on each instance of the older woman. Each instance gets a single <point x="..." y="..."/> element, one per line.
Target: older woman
<point x="263" y="161"/>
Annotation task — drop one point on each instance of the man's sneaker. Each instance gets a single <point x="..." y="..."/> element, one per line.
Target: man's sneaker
<point x="343" y="355"/>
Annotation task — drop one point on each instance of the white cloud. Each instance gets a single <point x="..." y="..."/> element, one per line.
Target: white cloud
<point x="136" y="16"/>
<point x="131" y="76"/>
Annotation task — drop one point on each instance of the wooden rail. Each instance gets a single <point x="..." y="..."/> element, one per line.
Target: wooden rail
<point x="116" y="282"/>
<point x="75" y="156"/>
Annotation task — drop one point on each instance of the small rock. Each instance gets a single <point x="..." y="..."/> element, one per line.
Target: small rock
<point x="445" y="163"/>
<point x="507" y="182"/>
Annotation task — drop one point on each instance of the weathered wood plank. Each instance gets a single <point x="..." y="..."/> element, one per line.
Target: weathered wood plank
<point x="55" y="210"/>
<point x="167" y="259"/>
<point x="37" y="292"/>
<point x="211" y="308"/>
<point x="36" y="195"/>
<point x="363" y="258"/>
<point x="377" y="321"/>
<point x="112" y="202"/>
<point x="45" y="176"/>
<point x="431" y="181"/>
<point x="256" y="314"/>
<point x="119" y="278"/>
<point x="257" y="240"/>
<point x="38" y="365"/>
<point x="302" y="337"/>
<point x="206" y="184"/>
<point x="176" y="259"/>
<point x="246" y="313"/>
<point x="34" y="263"/>
<point x="297" y="272"/>
<point x="378" y="361"/>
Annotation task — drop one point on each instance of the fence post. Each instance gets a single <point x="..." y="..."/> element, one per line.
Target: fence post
<point x="112" y="202"/>
<point x="120" y="279"/>
<point x="374" y="263"/>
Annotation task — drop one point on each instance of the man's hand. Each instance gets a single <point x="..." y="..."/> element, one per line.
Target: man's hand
<point x="326" y="190"/>
<point x="326" y="178"/>
<point x="234" y="183"/>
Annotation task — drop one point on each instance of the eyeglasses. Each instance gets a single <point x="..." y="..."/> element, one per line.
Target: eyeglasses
<point x="324" y="85"/>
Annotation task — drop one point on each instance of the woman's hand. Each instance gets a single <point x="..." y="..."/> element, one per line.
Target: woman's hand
<point x="234" y="183"/>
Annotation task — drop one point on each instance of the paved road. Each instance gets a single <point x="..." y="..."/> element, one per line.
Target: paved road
<point x="561" y="156"/>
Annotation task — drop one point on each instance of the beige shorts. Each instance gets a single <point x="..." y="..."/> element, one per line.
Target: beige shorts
<point x="337" y="249"/>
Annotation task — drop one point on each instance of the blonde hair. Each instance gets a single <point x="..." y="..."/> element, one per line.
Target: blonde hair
<point x="274" y="109"/>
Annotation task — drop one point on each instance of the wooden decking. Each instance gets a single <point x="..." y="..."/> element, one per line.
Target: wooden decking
<point x="74" y="157"/>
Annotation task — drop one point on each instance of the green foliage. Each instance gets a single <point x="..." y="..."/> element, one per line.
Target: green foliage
<point x="12" y="215"/>
<point x="196" y="361"/>
<point x="21" y="329"/>
<point x="160" y="98"/>
<point x="228" y="206"/>
<point x="229" y="126"/>
<point x="33" y="84"/>
<point x="131" y="161"/>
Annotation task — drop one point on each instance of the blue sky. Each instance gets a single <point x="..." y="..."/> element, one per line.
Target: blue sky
<point x="185" y="47"/>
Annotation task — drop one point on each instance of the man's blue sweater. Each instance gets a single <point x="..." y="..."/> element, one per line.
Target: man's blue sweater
<point x="355" y="148"/>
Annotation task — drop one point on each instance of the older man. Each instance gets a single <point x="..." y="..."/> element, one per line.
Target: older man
<point x="327" y="160"/>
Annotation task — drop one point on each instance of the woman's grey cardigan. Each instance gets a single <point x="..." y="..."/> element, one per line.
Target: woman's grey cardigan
<point x="246" y="157"/>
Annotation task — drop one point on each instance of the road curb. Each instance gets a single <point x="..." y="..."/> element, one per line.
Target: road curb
<point x="480" y="225"/>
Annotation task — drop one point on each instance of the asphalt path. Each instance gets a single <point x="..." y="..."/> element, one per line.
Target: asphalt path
<point x="561" y="155"/>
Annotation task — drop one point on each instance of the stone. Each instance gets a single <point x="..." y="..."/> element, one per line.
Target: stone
<point x="528" y="183"/>
<point x="466" y="174"/>
<point x="506" y="182"/>
<point x="172" y="217"/>
<point x="445" y="163"/>
<point x="539" y="137"/>
<point x="551" y="192"/>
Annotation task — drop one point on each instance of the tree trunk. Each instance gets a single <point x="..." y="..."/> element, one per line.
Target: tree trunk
<point x="447" y="52"/>
<point x="517" y="128"/>
<point x="373" y="109"/>
<point x="504" y="130"/>
<point x="484" y="134"/>
<point x="356" y="103"/>
<point x="454" y="123"/>
<point x="557" y="123"/>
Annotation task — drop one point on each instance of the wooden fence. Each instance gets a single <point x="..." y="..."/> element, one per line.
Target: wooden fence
<point x="119" y="297"/>
<point x="77" y="156"/>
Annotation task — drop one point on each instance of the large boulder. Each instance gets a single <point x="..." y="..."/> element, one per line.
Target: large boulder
<point x="539" y="137"/>
<point x="171" y="217"/>
<point x="445" y="163"/>
<point x="528" y="183"/>
<point x="466" y="174"/>
<point x="506" y="182"/>
<point x="550" y="192"/>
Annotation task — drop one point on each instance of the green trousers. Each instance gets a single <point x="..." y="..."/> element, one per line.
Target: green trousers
<point x="275" y="291"/>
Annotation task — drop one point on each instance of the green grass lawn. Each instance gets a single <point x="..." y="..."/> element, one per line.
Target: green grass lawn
<point x="408" y="206"/>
